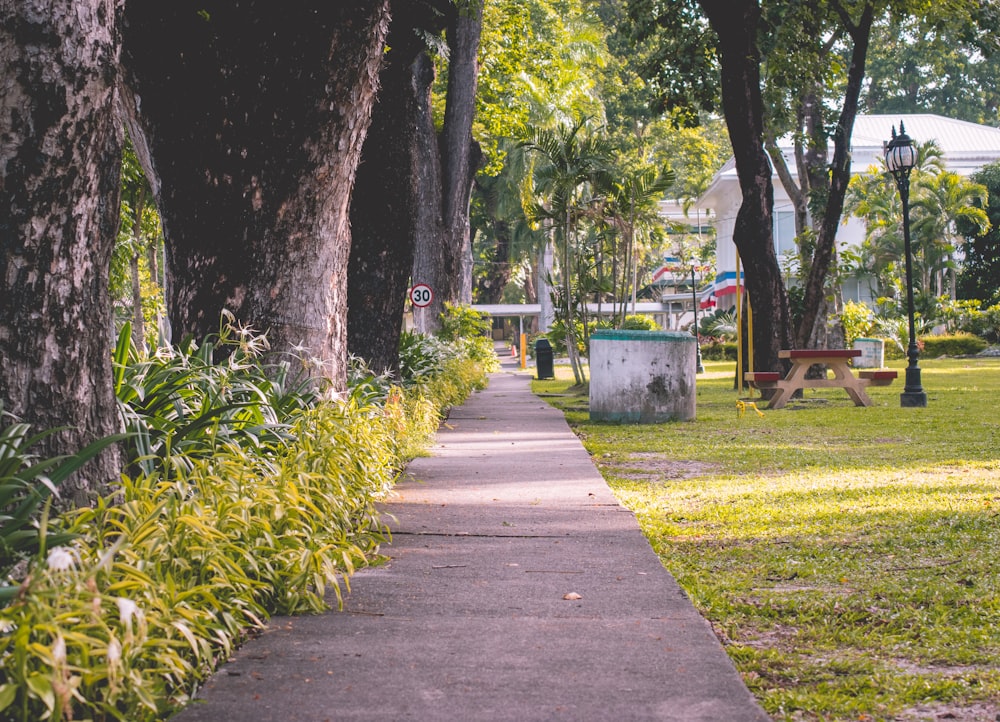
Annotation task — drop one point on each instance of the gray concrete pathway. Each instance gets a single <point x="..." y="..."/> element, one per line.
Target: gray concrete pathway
<point x="518" y="589"/>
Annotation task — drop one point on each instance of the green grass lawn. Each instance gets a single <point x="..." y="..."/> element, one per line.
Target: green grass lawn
<point x="845" y="556"/>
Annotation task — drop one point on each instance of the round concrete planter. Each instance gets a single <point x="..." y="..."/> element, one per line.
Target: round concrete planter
<point x="644" y="377"/>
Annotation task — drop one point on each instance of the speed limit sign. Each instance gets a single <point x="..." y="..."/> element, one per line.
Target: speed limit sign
<point x="421" y="295"/>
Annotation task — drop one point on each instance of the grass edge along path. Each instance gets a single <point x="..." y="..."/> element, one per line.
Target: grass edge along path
<point x="844" y="555"/>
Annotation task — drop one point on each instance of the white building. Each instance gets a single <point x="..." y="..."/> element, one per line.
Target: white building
<point x="967" y="147"/>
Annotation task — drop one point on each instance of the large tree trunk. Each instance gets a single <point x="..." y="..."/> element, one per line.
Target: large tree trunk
<point x="60" y="160"/>
<point x="430" y="253"/>
<point x="825" y="253"/>
<point x="387" y="209"/>
<point x="736" y="25"/>
<point x="441" y="260"/>
<point x="250" y="117"/>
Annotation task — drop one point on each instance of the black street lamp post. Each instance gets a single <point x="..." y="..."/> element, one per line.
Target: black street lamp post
<point x="900" y="158"/>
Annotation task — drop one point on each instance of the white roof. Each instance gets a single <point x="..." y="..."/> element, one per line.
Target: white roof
<point x="956" y="137"/>
<point x="967" y="147"/>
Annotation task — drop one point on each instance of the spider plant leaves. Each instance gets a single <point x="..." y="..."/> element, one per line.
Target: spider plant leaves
<point x="27" y="486"/>
<point x="246" y="495"/>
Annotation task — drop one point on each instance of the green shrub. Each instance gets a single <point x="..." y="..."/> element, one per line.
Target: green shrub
<point x="470" y="330"/>
<point x="720" y="324"/>
<point x="459" y="321"/>
<point x="557" y="336"/>
<point x="892" y="351"/>
<point x="180" y="404"/>
<point x="640" y="322"/>
<point x="857" y="320"/>
<point x="957" y="344"/>
<point x="985" y="324"/>
<point x="718" y="351"/>
<point x="198" y="560"/>
<point x="27" y="486"/>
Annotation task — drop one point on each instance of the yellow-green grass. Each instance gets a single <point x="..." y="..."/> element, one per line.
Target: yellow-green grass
<point x="846" y="556"/>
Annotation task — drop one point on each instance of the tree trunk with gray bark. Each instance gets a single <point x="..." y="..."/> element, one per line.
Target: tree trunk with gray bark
<point x="249" y="117"/>
<point x="442" y="259"/>
<point x="390" y="208"/>
<point x="60" y="160"/>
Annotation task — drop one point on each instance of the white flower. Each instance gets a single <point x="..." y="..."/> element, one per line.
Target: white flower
<point x="126" y="609"/>
<point x="7" y="626"/>
<point x="61" y="559"/>
<point x="59" y="651"/>
<point x="114" y="651"/>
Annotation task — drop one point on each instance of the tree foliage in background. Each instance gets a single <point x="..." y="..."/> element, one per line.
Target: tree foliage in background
<point x="946" y="62"/>
<point x="815" y="54"/>
<point x="980" y="277"/>
<point x="136" y="282"/>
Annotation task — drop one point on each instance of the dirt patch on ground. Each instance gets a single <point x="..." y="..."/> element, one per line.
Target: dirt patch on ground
<point x="654" y="466"/>
<point x="941" y="711"/>
<point x="941" y="670"/>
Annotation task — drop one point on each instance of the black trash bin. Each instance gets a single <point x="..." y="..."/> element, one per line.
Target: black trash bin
<point x="543" y="359"/>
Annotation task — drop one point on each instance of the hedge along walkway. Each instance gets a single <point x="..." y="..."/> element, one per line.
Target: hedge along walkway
<point x="518" y="589"/>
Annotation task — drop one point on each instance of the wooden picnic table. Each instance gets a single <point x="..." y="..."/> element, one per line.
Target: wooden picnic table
<point x="836" y="360"/>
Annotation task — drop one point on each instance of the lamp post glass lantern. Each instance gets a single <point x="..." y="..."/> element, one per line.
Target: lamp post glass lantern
<point x="900" y="158"/>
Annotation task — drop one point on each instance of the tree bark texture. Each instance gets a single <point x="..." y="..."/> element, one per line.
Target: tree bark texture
<point x="825" y="253"/>
<point x="736" y="25"/>
<point x="60" y="160"/>
<point x="438" y="259"/>
<point x="398" y="168"/>
<point x="250" y="118"/>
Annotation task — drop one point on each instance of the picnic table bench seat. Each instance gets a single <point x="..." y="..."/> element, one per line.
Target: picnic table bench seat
<point x="763" y="379"/>
<point x="877" y="377"/>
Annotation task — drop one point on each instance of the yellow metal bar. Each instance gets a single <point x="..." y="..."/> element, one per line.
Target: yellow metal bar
<point x="524" y="351"/>
<point x="739" y="328"/>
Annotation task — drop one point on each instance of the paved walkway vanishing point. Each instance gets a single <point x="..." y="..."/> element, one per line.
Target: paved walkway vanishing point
<point x="470" y="619"/>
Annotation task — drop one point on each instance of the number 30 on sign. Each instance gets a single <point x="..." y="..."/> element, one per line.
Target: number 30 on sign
<point x="421" y="295"/>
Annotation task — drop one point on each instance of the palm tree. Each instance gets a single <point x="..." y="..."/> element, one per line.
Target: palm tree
<point x="876" y="201"/>
<point x="632" y="210"/>
<point x="940" y="198"/>
<point x="940" y="201"/>
<point x="571" y="163"/>
<point x="505" y="238"/>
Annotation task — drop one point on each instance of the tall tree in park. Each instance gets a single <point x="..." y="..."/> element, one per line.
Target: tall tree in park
<point x="410" y="212"/>
<point x="540" y="70"/>
<point x="946" y="61"/>
<point x="59" y="184"/>
<point x="249" y="119"/>
<point x="805" y="80"/>
<point x="736" y="26"/>
<point x="801" y="75"/>
<point x="443" y="260"/>
<point x="690" y="70"/>
<point x="822" y="181"/>
<point x="573" y="164"/>
<point x="400" y="168"/>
